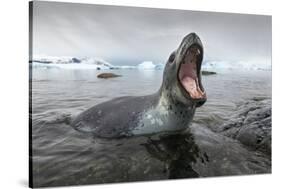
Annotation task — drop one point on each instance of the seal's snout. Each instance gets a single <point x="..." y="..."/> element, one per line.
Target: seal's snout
<point x="191" y="38"/>
<point x="189" y="73"/>
<point x="189" y="69"/>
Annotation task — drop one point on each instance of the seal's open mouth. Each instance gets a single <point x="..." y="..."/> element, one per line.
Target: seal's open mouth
<point x="189" y="74"/>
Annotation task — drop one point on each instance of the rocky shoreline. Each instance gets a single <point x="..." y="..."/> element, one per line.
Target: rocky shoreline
<point x="251" y="125"/>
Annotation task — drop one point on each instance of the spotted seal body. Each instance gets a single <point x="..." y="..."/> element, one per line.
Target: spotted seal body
<point x="171" y="108"/>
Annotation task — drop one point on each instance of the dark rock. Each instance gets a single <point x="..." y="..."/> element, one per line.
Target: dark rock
<point x="75" y="60"/>
<point x="107" y="75"/>
<point x="208" y="73"/>
<point x="43" y="61"/>
<point x="251" y="125"/>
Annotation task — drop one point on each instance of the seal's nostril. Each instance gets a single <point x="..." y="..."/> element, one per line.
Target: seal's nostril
<point x="200" y="102"/>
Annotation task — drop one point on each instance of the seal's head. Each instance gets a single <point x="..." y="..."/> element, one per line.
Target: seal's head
<point x="182" y="74"/>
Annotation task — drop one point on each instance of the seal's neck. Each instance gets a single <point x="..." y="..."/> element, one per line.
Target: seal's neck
<point x="168" y="98"/>
<point x="169" y="106"/>
<point x="165" y="114"/>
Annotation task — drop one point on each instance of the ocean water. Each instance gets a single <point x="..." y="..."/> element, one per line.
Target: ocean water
<point x="63" y="156"/>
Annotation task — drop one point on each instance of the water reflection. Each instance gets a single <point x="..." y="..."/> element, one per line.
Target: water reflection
<point x="177" y="151"/>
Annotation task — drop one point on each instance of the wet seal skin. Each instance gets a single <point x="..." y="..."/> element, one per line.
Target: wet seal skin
<point x="170" y="109"/>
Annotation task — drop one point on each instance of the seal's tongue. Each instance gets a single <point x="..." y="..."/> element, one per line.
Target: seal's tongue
<point x="188" y="74"/>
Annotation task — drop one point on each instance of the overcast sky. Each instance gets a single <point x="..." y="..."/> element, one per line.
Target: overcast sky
<point x="129" y="35"/>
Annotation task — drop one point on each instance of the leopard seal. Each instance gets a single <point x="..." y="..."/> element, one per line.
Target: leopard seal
<point x="170" y="109"/>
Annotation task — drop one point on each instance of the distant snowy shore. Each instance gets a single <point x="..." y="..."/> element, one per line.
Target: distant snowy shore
<point x="87" y="63"/>
<point x="47" y="62"/>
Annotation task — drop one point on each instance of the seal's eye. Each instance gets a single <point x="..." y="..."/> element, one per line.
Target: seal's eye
<point x="172" y="57"/>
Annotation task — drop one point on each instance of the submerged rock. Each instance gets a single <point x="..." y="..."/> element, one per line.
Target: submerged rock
<point x="251" y="125"/>
<point x="76" y="60"/>
<point x="107" y="75"/>
<point x="208" y="73"/>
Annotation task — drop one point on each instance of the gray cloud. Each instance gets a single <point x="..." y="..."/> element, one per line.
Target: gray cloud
<point x="127" y="35"/>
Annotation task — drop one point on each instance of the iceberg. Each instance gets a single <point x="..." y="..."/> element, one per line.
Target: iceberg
<point x="236" y="65"/>
<point x="146" y="65"/>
